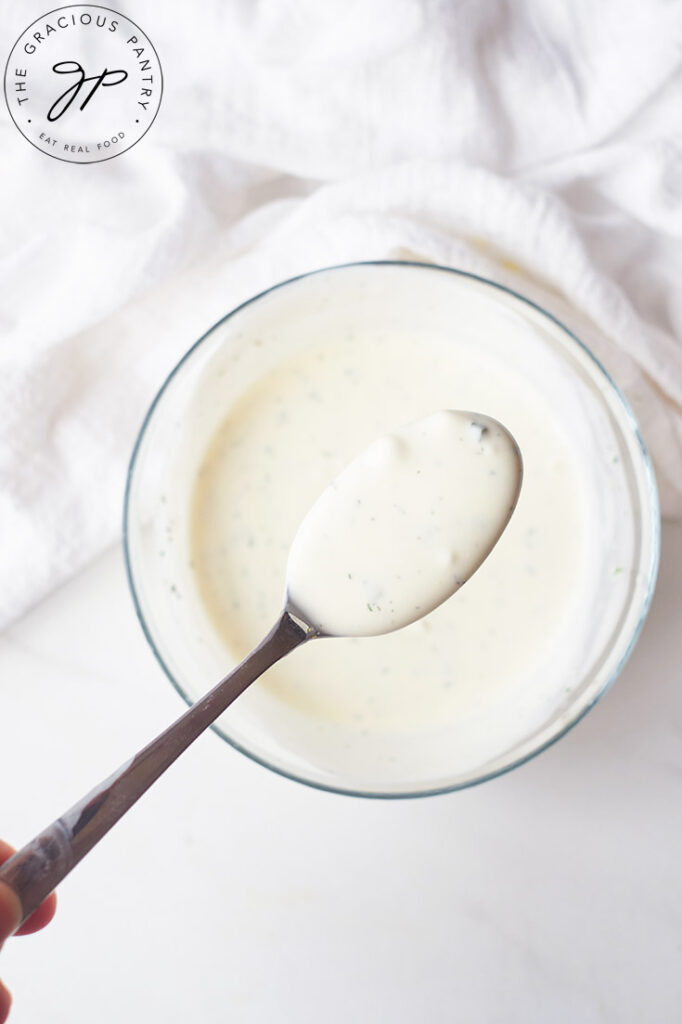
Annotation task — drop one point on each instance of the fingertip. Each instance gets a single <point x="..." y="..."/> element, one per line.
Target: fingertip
<point x="40" y="917"/>
<point x="6" y="851"/>
<point x="5" y="1003"/>
<point x="10" y="911"/>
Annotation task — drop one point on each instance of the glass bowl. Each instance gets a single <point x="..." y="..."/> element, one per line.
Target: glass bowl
<point x="373" y="302"/>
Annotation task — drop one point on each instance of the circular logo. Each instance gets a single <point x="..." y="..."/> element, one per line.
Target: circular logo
<point x="83" y="83"/>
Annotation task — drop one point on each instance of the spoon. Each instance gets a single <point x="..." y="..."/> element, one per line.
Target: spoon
<point x="396" y="534"/>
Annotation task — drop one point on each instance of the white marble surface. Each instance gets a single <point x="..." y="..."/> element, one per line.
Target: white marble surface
<point x="551" y="894"/>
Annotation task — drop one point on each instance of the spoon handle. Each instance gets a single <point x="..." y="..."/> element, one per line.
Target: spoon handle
<point x="35" y="870"/>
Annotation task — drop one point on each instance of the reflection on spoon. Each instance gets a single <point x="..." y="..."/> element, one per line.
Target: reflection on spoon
<point x="398" y="532"/>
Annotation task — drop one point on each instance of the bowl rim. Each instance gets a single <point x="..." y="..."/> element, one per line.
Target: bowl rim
<point x="652" y="506"/>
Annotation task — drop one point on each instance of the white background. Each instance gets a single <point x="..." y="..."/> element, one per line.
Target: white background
<point x="230" y="894"/>
<point x="536" y="143"/>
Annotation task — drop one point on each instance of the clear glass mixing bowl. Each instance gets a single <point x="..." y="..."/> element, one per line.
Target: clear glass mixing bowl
<point x="194" y="400"/>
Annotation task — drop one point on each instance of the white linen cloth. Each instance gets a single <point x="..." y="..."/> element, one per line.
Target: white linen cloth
<point x="535" y="143"/>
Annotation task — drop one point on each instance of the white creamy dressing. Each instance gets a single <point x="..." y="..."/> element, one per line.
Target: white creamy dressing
<point x="404" y="525"/>
<point x="477" y="664"/>
<point x="266" y="413"/>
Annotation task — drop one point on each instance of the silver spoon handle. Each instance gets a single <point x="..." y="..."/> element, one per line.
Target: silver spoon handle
<point x="35" y="870"/>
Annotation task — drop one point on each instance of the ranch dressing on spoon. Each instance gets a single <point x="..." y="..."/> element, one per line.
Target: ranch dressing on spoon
<point x="404" y="525"/>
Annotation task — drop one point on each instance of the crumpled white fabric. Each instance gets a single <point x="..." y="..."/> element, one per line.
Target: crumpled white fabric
<point x="537" y="144"/>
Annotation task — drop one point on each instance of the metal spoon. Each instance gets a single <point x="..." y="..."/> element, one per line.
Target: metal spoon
<point x="35" y="870"/>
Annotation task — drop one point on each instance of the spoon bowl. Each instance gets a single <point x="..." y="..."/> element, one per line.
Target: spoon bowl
<point x="404" y="525"/>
